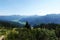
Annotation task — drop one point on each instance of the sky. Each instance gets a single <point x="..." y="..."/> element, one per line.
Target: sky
<point x="29" y="7"/>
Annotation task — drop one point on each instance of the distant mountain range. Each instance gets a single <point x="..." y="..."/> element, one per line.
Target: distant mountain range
<point x="51" y="18"/>
<point x="9" y="18"/>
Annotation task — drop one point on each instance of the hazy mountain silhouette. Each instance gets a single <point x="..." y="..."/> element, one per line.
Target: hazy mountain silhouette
<point x="50" y="18"/>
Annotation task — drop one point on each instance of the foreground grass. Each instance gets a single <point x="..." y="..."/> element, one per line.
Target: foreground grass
<point x="28" y="34"/>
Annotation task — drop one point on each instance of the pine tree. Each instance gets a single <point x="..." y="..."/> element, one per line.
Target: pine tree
<point x="27" y="25"/>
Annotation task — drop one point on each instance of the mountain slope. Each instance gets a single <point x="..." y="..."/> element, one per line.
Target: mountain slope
<point x="52" y="18"/>
<point x="9" y="18"/>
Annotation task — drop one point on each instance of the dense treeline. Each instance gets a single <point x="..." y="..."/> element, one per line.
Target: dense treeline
<point x="9" y="24"/>
<point x="48" y="26"/>
<point x="43" y="31"/>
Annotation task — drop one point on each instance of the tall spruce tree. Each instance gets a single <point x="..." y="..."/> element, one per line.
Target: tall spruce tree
<point x="27" y="25"/>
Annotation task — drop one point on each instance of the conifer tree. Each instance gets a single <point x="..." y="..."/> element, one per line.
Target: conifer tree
<point x="27" y="25"/>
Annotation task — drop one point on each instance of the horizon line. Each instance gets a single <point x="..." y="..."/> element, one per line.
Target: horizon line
<point x="27" y="15"/>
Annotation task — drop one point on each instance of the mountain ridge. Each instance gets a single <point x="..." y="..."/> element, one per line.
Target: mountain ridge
<point x="35" y="19"/>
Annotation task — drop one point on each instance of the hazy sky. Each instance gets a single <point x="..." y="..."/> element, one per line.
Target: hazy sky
<point x="29" y="7"/>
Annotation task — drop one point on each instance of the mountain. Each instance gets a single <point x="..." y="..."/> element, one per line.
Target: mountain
<point x="12" y="20"/>
<point x="33" y="20"/>
<point x="51" y="18"/>
<point x="9" y="18"/>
